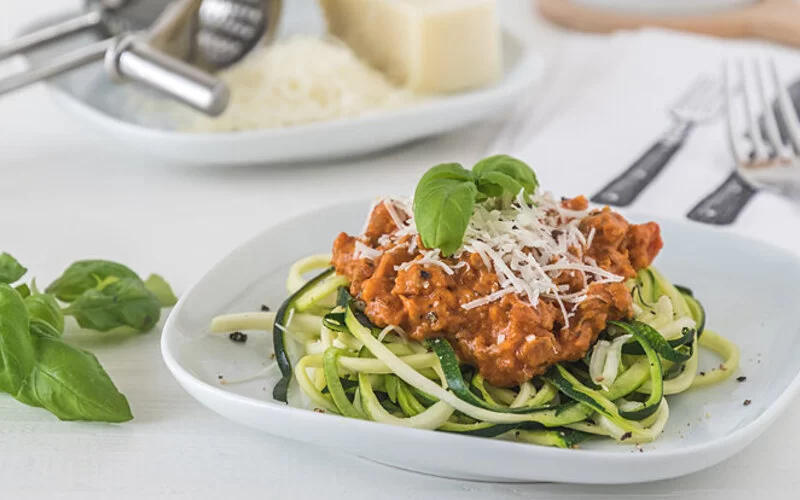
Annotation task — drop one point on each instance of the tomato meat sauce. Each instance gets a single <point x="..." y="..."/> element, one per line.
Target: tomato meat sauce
<point x="508" y="340"/>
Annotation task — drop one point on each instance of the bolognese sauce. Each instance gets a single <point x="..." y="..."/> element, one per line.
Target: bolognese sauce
<point x="508" y="339"/>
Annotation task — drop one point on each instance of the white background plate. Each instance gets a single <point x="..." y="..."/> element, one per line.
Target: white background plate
<point x="753" y="304"/>
<point x="138" y="119"/>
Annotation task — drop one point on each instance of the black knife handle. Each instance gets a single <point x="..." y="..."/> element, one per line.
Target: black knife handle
<point x="724" y="204"/>
<point x="626" y="187"/>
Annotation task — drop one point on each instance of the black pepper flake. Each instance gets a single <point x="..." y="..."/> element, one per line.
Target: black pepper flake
<point x="747" y="402"/>
<point x="641" y="450"/>
<point x="238" y="337"/>
<point x="319" y="410"/>
<point x="219" y="377"/>
<point x="264" y="308"/>
<point x="424" y="274"/>
<point x="555" y="233"/>
<point x="625" y="436"/>
<point x="741" y="379"/>
<point x="702" y="374"/>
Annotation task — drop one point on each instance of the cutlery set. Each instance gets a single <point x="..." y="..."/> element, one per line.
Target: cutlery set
<point x="767" y="152"/>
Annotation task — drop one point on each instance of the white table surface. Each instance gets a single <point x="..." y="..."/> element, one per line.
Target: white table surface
<point x="67" y="194"/>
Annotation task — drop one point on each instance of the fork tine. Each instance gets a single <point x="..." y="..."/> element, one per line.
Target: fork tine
<point x="761" y="153"/>
<point x="786" y="107"/>
<point x="770" y="120"/>
<point x="736" y="144"/>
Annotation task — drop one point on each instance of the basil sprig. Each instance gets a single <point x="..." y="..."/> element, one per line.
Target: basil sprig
<point x="446" y="195"/>
<point x="39" y="368"/>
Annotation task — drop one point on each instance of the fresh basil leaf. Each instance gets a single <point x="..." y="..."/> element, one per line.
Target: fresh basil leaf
<point x="23" y="290"/>
<point x="85" y="275"/>
<point x="72" y="384"/>
<point x="34" y="288"/>
<point x="10" y="269"/>
<point x="502" y="174"/>
<point x="17" y="356"/>
<point x="453" y="171"/>
<point x="125" y="302"/>
<point x="41" y="327"/>
<point x="45" y="308"/>
<point x="497" y="184"/>
<point x="161" y="289"/>
<point x="443" y="203"/>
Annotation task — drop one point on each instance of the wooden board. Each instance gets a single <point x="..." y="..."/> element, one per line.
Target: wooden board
<point x="775" y="20"/>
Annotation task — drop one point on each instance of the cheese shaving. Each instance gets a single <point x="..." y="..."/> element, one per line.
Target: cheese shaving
<point x="429" y="257"/>
<point x="366" y="252"/>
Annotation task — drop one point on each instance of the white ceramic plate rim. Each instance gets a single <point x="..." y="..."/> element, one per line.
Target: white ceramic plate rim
<point x="714" y="450"/>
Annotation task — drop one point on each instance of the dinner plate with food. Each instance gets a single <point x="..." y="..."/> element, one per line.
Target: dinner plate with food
<point x="332" y="84"/>
<point x="487" y="329"/>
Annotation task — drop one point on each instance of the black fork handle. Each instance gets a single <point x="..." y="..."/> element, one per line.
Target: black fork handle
<point x="723" y="206"/>
<point x="626" y="187"/>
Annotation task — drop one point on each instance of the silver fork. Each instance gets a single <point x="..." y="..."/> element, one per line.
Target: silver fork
<point x="767" y="154"/>
<point x="699" y="103"/>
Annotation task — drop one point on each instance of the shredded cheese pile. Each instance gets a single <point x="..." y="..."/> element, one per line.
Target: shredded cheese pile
<point x="301" y="80"/>
<point x="528" y="246"/>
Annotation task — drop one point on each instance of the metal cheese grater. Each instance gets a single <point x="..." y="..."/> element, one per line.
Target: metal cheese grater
<point x="168" y="45"/>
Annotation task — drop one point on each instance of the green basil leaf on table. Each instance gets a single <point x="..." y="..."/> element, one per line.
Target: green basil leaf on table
<point x="159" y="287"/>
<point x="45" y="308"/>
<point x="17" y="350"/>
<point x="72" y="384"/>
<point x="502" y="174"/>
<point x="443" y="203"/>
<point x="124" y="303"/>
<point x="23" y="290"/>
<point x="10" y="269"/>
<point x="85" y="275"/>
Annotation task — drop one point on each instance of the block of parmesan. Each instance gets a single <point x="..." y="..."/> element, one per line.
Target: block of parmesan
<point x="428" y="46"/>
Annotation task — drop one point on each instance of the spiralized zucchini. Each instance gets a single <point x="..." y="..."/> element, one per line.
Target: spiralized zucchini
<point x="349" y="367"/>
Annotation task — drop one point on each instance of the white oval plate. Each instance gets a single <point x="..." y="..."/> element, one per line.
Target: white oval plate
<point x="748" y="289"/>
<point x="136" y="118"/>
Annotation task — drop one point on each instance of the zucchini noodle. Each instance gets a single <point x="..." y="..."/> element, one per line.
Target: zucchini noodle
<point x="350" y="367"/>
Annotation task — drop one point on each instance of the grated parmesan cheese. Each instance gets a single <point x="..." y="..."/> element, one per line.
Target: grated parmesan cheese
<point x="528" y="245"/>
<point x="298" y="81"/>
